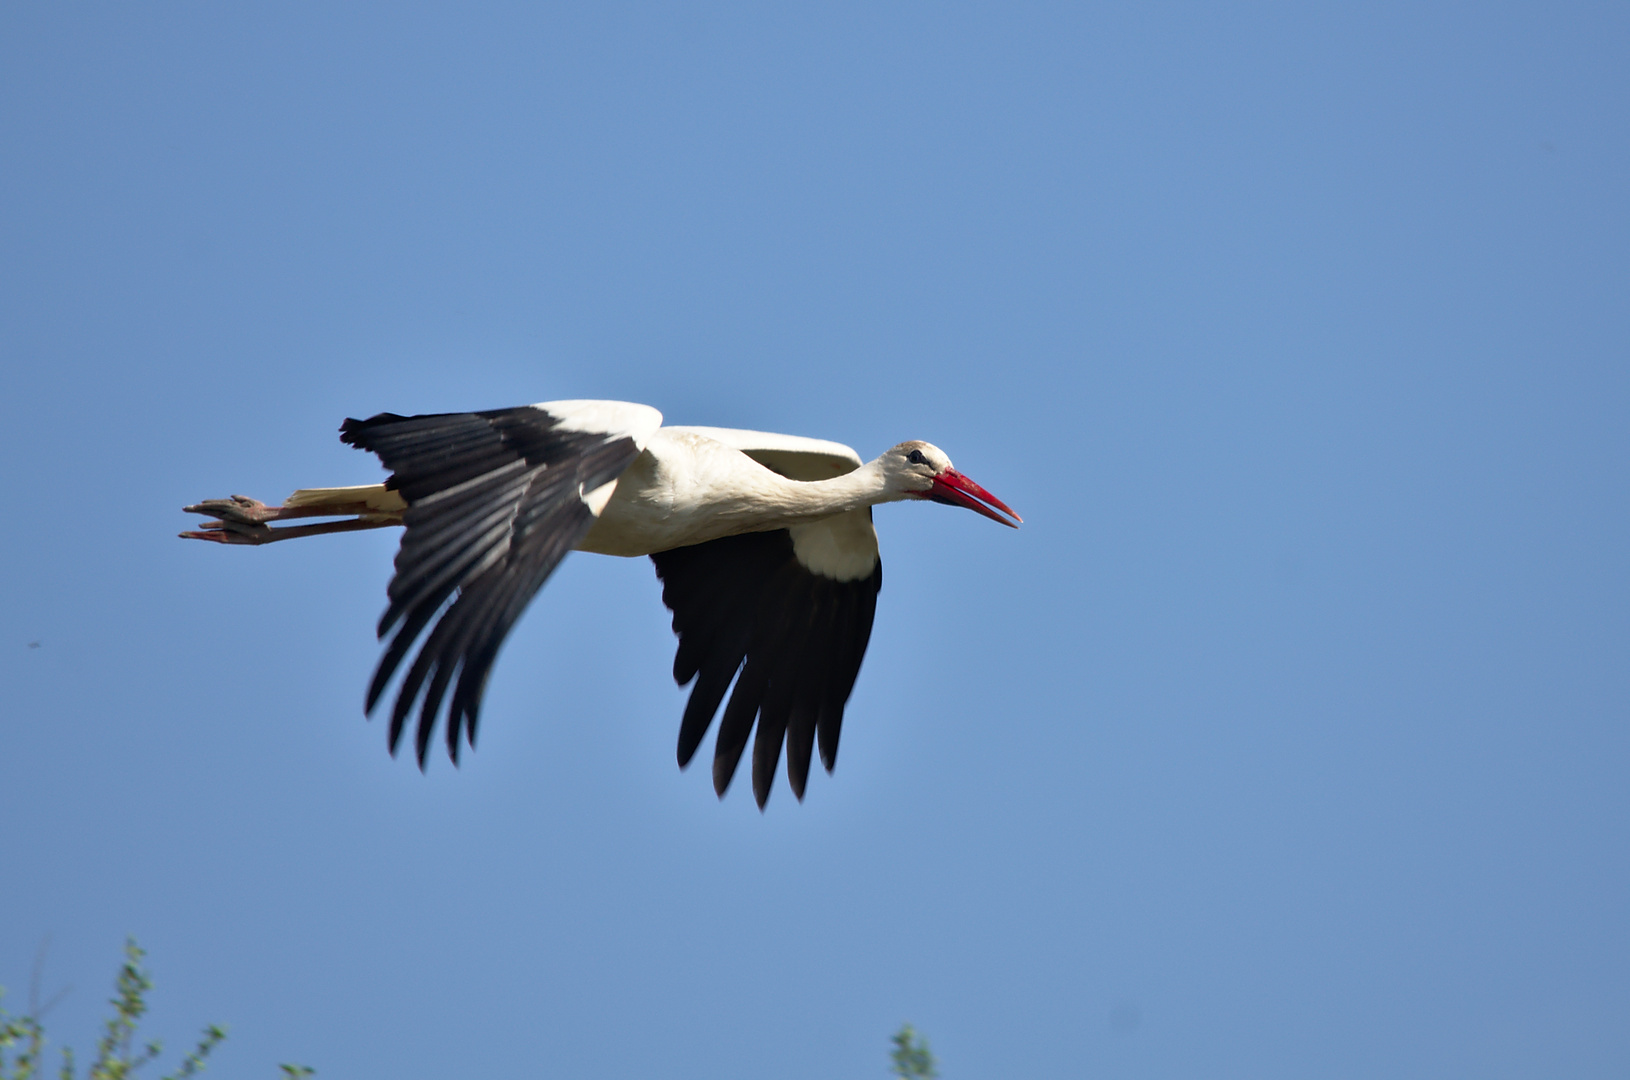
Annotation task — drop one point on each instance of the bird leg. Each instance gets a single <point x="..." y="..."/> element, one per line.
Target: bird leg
<point x="241" y="520"/>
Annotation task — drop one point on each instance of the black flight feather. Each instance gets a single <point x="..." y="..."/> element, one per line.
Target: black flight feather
<point x="493" y="505"/>
<point x="746" y="609"/>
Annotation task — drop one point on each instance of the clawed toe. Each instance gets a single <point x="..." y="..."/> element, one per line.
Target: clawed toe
<point x="240" y="520"/>
<point x="239" y="508"/>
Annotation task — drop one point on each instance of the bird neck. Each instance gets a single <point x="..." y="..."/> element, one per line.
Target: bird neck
<point x="865" y="486"/>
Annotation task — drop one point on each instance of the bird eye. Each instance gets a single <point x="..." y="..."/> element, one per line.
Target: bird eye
<point x="916" y="458"/>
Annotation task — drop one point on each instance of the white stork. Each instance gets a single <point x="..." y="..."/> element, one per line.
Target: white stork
<point x="764" y="545"/>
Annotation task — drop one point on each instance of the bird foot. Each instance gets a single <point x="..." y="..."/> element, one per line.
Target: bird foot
<point x="239" y="520"/>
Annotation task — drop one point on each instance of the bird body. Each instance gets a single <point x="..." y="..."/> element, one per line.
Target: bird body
<point x="764" y="544"/>
<point x="689" y="487"/>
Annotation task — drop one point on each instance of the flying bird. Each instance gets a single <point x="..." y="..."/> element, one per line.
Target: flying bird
<point x="763" y="543"/>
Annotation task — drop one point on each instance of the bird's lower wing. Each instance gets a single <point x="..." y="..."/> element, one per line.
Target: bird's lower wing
<point x="751" y="604"/>
<point x="494" y="501"/>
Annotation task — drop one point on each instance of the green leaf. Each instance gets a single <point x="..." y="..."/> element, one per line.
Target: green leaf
<point x="911" y="1058"/>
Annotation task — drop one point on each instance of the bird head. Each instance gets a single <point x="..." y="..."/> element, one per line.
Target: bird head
<point x="919" y="470"/>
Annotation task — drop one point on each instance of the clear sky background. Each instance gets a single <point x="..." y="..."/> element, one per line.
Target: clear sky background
<point x="1288" y="738"/>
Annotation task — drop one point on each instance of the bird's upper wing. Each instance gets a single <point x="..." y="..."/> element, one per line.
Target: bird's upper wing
<point x="790" y="610"/>
<point x="793" y="456"/>
<point x="494" y="501"/>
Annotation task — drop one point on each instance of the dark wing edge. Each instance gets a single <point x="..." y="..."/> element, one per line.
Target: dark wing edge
<point x="494" y="503"/>
<point x="744" y="608"/>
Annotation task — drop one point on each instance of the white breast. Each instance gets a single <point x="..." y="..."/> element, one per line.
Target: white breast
<point x="843" y="547"/>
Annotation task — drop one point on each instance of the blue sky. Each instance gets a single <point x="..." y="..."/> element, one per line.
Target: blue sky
<point x="1288" y="738"/>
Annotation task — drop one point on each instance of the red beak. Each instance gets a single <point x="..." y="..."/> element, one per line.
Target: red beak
<point x="954" y="489"/>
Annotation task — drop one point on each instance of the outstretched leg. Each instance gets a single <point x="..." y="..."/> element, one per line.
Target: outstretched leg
<point x="241" y="520"/>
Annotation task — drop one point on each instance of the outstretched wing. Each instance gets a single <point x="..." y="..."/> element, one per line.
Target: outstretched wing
<point x="790" y="611"/>
<point x="495" y="500"/>
<point x="793" y="456"/>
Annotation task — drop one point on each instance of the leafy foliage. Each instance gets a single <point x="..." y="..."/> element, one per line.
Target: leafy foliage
<point x="22" y="1038"/>
<point x="912" y="1059"/>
